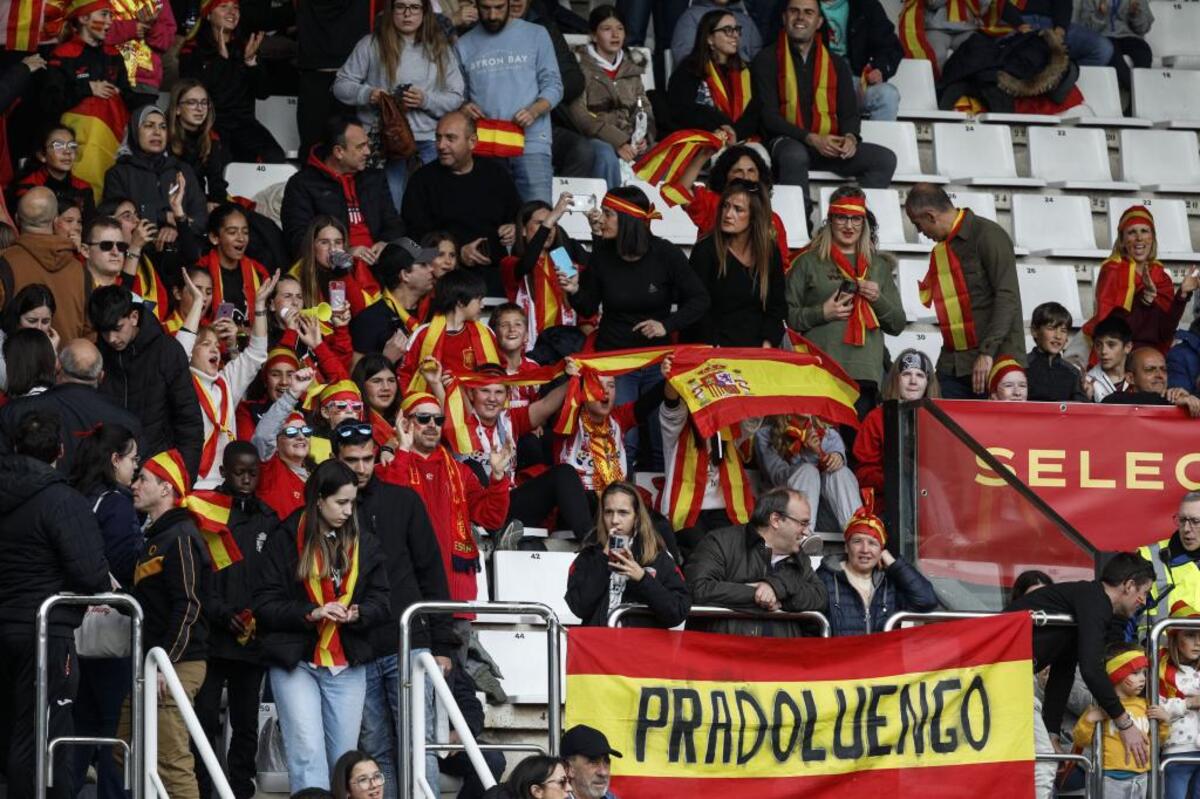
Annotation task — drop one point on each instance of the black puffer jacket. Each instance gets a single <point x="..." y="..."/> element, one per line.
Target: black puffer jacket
<point x="49" y="543"/>
<point x="172" y="581"/>
<point x="151" y="379"/>
<point x="281" y="603"/>
<point x="662" y="589"/>
<point x="80" y="408"/>
<point x="253" y="524"/>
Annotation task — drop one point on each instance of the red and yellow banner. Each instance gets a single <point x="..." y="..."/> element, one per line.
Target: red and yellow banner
<point x="99" y="127"/>
<point x="671" y="156"/>
<point x="919" y="712"/>
<point x="725" y="385"/>
<point x="22" y="31"/>
<point x="499" y="139"/>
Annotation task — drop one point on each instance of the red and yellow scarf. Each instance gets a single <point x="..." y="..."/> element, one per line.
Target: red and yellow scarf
<point x="690" y="480"/>
<point x="411" y="321"/>
<point x="823" y="112"/>
<point x="1117" y="284"/>
<point x="430" y="341"/>
<point x="218" y="419"/>
<point x="464" y="554"/>
<point x="730" y="89"/>
<point x="252" y="275"/>
<point x="321" y="590"/>
<point x="945" y="287"/>
<point x="606" y="454"/>
<point x="549" y="302"/>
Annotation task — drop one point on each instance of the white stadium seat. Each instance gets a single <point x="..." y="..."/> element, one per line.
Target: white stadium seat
<point x="521" y="656"/>
<point x="909" y="272"/>
<point x="901" y="139"/>
<point x="675" y="226"/>
<point x="927" y="340"/>
<point x="918" y="95"/>
<point x="1059" y="227"/>
<point x="977" y="155"/>
<point x="278" y="115"/>
<point x="788" y="202"/>
<point x="885" y="205"/>
<point x="1170" y="225"/>
<point x="1101" y="102"/>
<point x="1170" y="98"/>
<point x="533" y="577"/>
<point x="1163" y="161"/>
<point x="1174" y="38"/>
<point x="576" y="223"/>
<point x="982" y="203"/>
<point x="1073" y="158"/>
<point x="1049" y="283"/>
<point x="247" y="180"/>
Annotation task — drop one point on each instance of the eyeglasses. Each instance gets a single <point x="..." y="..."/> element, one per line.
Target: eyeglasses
<point x="346" y="431"/>
<point x="729" y="30"/>
<point x="561" y="782"/>
<point x="426" y="418"/>
<point x="107" y="246"/>
<point x="345" y="405"/>
<point x="1186" y="521"/>
<point x="804" y="525"/>
<point x="194" y="103"/>
<point x="406" y="10"/>
<point x="370" y="780"/>
<point x="291" y="431"/>
<point x="59" y="146"/>
<point x="848" y="221"/>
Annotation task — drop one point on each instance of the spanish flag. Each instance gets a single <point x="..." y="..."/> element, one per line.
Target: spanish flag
<point x="99" y="126"/>
<point x="587" y="387"/>
<point x="673" y="154"/>
<point x="146" y="284"/>
<point x="499" y="139"/>
<point x="722" y="386"/>
<point x="22" y="24"/>
<point x="211" y="511"/>
<point x="920" y="712"/>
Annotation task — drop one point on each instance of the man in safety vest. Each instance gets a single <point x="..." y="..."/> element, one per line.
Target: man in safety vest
<point x="1176" y="561"/>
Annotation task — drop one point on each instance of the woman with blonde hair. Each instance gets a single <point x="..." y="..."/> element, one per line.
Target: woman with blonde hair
<point x="626" y="561"/>
<point x="841" y="296"/>
<point x="324" y="259"/>
<point x="194" y="140"/>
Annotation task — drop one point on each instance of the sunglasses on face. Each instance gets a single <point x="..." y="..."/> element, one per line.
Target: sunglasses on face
<point x="346" y="431"/>
<point x="426" y="418"/>
<point x="291" y="431"/>
<point x="345" y="405"/>
<point x="61" y="146"/>
<point x="107" y="246"/>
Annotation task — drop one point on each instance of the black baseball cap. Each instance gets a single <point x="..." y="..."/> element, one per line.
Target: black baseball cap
<point x="586" y="741"/>
<point x="418" y="254"/>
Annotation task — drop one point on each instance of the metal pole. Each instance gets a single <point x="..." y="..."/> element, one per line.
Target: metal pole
<point x="426" y="665"/>
<point x="1157" y="766"/>
<point x="1040" y="619"/>
<point x="618" y="614"/>
<point x="554" y="685"/>
<point x="1097" y="776"/>
<point x="418" y="730"/>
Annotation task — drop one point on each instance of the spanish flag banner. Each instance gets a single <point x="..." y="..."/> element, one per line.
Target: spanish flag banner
<point x="587" y="387"/>
<point x="668" y="158"/>
<point x="210" y="510"/>
<point x="99" y="126"/>
<point x="499" y="139"/>
<point x="149" y="286"/>
<point x="724" y="385"/>
<point x="22" y="24"/>
<point x="920" y="712"/>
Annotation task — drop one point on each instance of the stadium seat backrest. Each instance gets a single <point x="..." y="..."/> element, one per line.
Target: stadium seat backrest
<point x="926" y="341"/>
<point x="1100" y="91"/>
<point x="1176" y="28"/>
<point x="788" y="202"/>
<point x="1046" y="222"/>
<point x="1170" y="221"/>
<point x="1065" y="153"/>
<point x="1166" y="95"/>
<point x="967" y="150"/>
<point x="982" y="203"/>
<point x="534" y="577"/>
<point x="1155" y="157"/>
<point x="914" y="79"/>
<point x="900" y="138"/>
<point x="885" y="205"/>
<point x="247" y="180"/>
<point x="278" y="115"/>
<point x="521" y="657"/>
<point x="1042" y="282"/>
<point x="575" y="223"/>
<point x="909" y="272"/>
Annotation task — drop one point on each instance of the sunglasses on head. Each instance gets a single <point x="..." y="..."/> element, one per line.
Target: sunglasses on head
<point x="426" y="418"/>
<point x="107" y="246"/>
<point x="291" y="431"/>
<point x="346" y="431"/>
<point x="345" y="405"/>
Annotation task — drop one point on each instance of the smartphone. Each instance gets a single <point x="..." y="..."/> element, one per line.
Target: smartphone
<point x="617" y="542"/>
<point x="562" y="262"/>
<point x="174" y="189"/>
<point x="582" y="203"/>
<point x="226" y="310"/>
<point x="337" y="293"/>
<point x="847" y="287"/>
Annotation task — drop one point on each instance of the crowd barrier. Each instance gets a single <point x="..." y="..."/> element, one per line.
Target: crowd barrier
<point x="1158" y="764"/>
<point x="618" y="614"/>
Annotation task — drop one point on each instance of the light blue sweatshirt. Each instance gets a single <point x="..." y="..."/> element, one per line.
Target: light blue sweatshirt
<point x="507" y="71"/>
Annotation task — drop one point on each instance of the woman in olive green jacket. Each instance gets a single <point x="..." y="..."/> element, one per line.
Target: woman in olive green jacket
<point x="841" y="294"/>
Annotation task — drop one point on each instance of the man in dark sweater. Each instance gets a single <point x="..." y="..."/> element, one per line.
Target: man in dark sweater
<point x="473" y="198"/>
<point x="1096" y="604"/>
<point x="1146" y="375"/>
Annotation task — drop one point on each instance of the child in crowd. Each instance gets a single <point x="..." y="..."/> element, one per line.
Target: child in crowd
<point x="1051" y="377"/>
<point x="1112" y="341"/>
<point x="511" y="326"/>
<point x="1179" y="693"/>
<point x="1123" y="778"/>
<point x="1007" y="381"/>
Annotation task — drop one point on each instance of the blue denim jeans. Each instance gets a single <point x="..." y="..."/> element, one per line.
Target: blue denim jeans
<point x="1177" y="779"/>
<point x="1086" y="47"/>
<point x="532" y="172"/>
<point x="606" y="164"/>
<point x="381" y="715"/>
<point x="879" y="102"/>
<point x="629" y="387"/>
<point x="320" y="714"/>
<point x="397" y="171"/>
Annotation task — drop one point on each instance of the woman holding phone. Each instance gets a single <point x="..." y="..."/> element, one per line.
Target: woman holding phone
<point x="841" y="296"/>
<point x="626" y="561"/>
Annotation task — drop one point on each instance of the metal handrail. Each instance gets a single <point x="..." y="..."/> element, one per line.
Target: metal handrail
<point x="1157" y="768"/>
<point x="1090" y="789"/>
<point x="44" y="755"/>
<point x="618" y="614"/>
<point x="428" y="667"/>
<point x="553" y="662"/>
<point x="1040" y="618"/>
<point x="158" y="662"/>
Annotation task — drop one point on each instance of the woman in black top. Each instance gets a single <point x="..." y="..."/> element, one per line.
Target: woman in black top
<point x="740" y="267"/>
<point x="710" y="89"/>
<point x="190" y="119"/>
<point x="636" y="277"/>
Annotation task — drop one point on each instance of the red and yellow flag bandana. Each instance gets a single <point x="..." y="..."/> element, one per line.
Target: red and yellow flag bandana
<point x="346" y="390"/>
<point x="823" y="113"/>
<point x="945" y="287"/>
<point x="281" y="356"/>
<point x="1122" y="665"/>
<point x="169" y="466"/>
<point x="851" y="206"/>
<point x="1004" y="365"/>
<point x="614" y="203"/>
<point x="498" y="138"/>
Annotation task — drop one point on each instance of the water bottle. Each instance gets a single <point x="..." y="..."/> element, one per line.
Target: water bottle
<point x="640" y="124"/>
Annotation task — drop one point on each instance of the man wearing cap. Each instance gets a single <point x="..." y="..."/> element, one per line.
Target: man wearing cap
<point x="868" y="584"/>
<point x="405" y="272"/>
<point x="170" y="581"/>
<point x="589" y="756"/>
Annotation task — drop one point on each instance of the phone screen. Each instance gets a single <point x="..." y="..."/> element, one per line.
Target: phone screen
<point x="562" y="262"/>
<point x="225" y="310"/>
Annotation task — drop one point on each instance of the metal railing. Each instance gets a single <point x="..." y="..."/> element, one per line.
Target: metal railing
<point x="407" y="737"/>
<point x="1158" y="765"/>
<point x="158" y="663"/>
<point x="44" y="756"/>
<point x="1040" y="618"/>
<point x="618" y="614"/>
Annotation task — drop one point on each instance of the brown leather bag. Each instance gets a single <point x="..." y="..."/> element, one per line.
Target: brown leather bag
<point x="395" y="135"/>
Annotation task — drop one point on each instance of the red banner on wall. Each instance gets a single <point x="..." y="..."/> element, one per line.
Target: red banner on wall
<point x="1115" y="473"/>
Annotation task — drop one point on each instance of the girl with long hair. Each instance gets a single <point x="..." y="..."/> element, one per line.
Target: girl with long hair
<point x="375" y="377"/>
<point x="626" y="561"/>
<point x="408" y="57"/>
<point x="194" y="140"/>
<point x="323" y="588"/>
<point x="324" y="259"/>
<point x="740" y="267"/>
<point x="711" y="88"/>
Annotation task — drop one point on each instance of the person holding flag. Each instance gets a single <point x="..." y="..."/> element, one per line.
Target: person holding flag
<point x="323" y="589"/>
<point x="972" y="285"/>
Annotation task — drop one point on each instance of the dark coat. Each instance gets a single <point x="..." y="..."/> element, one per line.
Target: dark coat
<point x="686" y="112"/>
<point x="663" y="588"/>
<point x="314" y="191"/>
<point x="151" y="379"/>
<point x="172" y="581"/>
<point x="898" y="587"/>
<point x="146" y="178"/>
<point x="281" y="603"/>
<point x="723" y="569"/>
<point x="871" y="39"/>
<point x="120" y="529"/>
<point x="252" y="524"/>
<point x="79" y="407"/>
<point x="49" y="543"/>
<point x="232" y="85"/>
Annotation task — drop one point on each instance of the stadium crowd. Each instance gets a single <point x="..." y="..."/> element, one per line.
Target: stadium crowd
<point x="278" y="424"/>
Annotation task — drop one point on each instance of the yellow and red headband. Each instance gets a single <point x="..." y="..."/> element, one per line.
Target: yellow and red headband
<point x="341" y="390"/>
<point x="169" y="466"/>
<point x="1135" y="215"/>
<point x="1003" y="366"/>
<point x="79" y="8"/>
<point x="207" y="6"/>
<point x="1122" y="665"/>
<point x="849" y="206"/>
<point x="417" y="398"/>
<point x="629" y="209"/>
<point x="863" y="522"/>
<point x="282" y="355"/>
